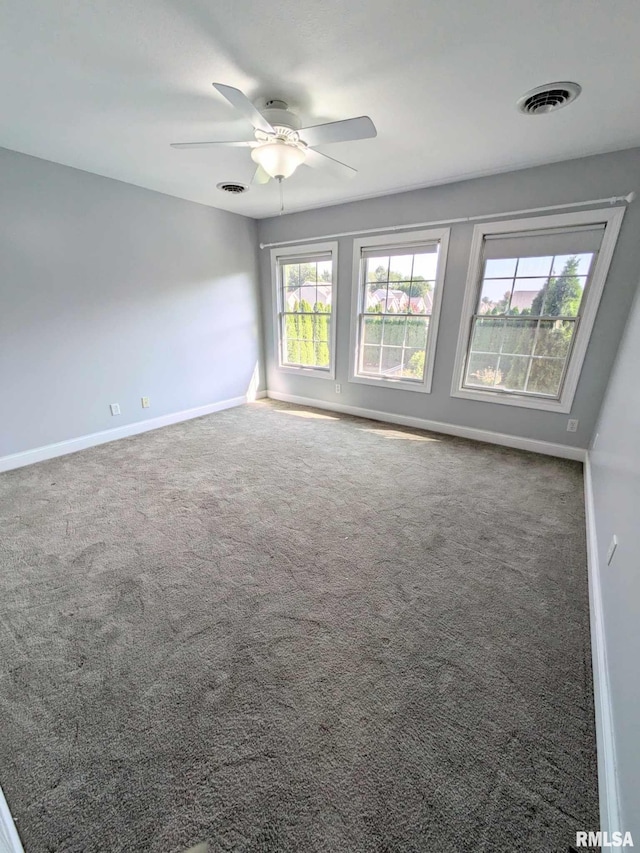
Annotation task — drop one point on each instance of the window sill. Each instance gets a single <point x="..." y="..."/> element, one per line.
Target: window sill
<point x="383" y="382"/>
<point x="314" y="372"/>
<point x="514" y="400"/>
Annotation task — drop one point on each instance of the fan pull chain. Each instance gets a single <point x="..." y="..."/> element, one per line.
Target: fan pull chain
<point x="281" y="197"/>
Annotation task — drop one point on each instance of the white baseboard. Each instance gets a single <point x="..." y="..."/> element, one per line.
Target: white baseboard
<point x="516" y="441"/>
<point x="9" y="840"/>
<point x="61" y="448"/>
<point x="610" y="815"/>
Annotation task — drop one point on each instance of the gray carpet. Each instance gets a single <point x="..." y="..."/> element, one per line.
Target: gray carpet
<point x="276" y="629"/>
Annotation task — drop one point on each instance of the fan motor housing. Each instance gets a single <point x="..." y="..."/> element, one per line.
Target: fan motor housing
<point x="279" y="115"/>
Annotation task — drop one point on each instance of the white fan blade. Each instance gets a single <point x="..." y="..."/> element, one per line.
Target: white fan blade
<point x="240" y="101"/>
<point x="238" y="144"/>
<point x="339" y="131"/>
<point x="318" y="160"/>
<point x="260" y="176"/>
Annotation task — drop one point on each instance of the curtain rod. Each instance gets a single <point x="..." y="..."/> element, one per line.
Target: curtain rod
<point x="613" y="200"/>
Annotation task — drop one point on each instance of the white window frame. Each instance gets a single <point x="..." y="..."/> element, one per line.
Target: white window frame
<point x="407" y="238"/>
<point x="612" y="220"/>
<point x="304" y="251"/>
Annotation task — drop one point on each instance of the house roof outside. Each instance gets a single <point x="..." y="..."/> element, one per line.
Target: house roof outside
<point x="520" y="299"/>
<point x="523" y="299"/>
<point x="311" y="293"/>
<point x="397" y="301"/>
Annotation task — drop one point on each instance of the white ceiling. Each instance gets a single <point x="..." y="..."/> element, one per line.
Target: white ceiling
<point x="106" y="85"/>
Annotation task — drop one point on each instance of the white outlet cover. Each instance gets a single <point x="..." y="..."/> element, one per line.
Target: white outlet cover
<point x="115" y="408"/>
<point x="612" y="549"/>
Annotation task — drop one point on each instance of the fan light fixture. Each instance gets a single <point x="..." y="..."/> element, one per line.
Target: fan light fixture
<point x="278" y="159"/>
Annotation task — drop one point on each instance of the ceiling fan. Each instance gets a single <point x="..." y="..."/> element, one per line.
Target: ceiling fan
<point x="279" y="145"/>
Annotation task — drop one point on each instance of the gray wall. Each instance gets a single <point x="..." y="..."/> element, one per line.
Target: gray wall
<point x="109" y="292"/>
<point x="576" y="180"/>
<point x="615" y="466"/>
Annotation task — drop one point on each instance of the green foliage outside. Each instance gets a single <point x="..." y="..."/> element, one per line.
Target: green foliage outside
<point x="418" y="286"/>
<point x="415" y="368"/>
<point x="408" y="333"/>
<point x="398" y="331"/>
<point x="298" y="274"/>
<point x="307" y="335"/>
<point x="560" y="297"/>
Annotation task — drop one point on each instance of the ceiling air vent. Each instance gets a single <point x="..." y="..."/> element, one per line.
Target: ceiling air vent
<point x="547" y="99"/>
<point x="232" y="187"/>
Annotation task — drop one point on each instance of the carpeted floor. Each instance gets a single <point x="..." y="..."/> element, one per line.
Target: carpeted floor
<point x="277" y="629"/>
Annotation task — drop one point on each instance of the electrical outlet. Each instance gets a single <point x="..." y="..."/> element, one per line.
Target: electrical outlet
<point x="115" y="408"/>
<point x="612" y="549"/>
<point x="145" y="402"/>
<point x="338" y="388"/>
<point x="572" y="425"/>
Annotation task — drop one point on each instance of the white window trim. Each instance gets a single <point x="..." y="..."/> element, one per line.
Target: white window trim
<point x="292" y="252"/>
<point x="408" y="237"/>
<point x="612" y="218"/>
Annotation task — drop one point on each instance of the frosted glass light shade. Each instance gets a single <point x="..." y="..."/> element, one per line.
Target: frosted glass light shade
<point x="278" y="159"/>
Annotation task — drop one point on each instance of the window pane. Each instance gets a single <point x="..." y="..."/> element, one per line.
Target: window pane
<point x="322" y="357"/>
<point x="582" y="263"/>
<point x="291" y="351"/>
<point x="371" y="359"/>
<point x="377" y="269"/>
<point x="394" y="330"/>
<point x="400" y="267"/>
<point x="305" y="331"/>
<point x="511" y="373"/>
<point x="518" y="336"/>
<point x="324" y="271"/>
<point x="291" y="299"/>
<point x="306" y="296"/>
<point x="306" y="339"/>
<point x="291" y="275"/>
<point x="546" y="376"/>
<point x="372" y="330"/>
<point x="494" y="297"/>
<point x="481" y="370"/>
<point x="524" y="298"/>
<point x="564" y="295"/>
<point x="413" y="364"/>
<point x="391" y="361"/>
<point x="554" y="337"/>
<point x="487" y="335"/>
<point x="324" y="296"/>
<point x="510" y="348"/>
<point x="500" y="268"/>
<point x="375" y="297"/>
<point x="321" y="322"/>
<point x="421" y="297"/>
<point x="400" y="288"/>
<point x="397" y="300"/>
<point x="416" y="332"/>
<point x="425" y="266"/>
<point x="535" y="266"/>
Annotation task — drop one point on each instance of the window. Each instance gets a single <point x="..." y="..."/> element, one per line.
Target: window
<point x="396" y="308"/>
<point x="532" y="294"/>
<point x="304" y="280"/>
